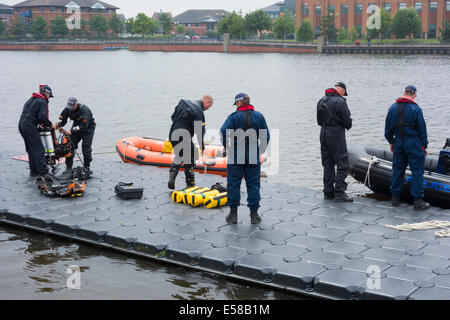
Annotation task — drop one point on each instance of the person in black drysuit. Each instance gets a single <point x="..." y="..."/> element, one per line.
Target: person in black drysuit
<point x="187" y="117"/>
<point x="406" y="132"/>
<point x="83" y="128"/>
<point x="334" y="117"/>
<point x="35" y="112"/>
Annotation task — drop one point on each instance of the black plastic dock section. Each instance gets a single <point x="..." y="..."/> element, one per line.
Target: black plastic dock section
<point x="304" y="244"/>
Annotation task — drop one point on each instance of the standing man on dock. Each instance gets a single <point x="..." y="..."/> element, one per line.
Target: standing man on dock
<point x="406" y="132"/>
<point x="187" y="117"/>
<point x="83" y="129"/>
<point x="35" y="112"/>
<point x="245" y="136"/>
<point x="334" y="118"/>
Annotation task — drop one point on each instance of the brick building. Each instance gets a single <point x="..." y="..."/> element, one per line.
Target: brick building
<point x="6" y="12"/>
<point x="274" y="10"/>
<point x="49" y="9"/>
<point x="200" y="21"/>
<point x="349" y="13"/>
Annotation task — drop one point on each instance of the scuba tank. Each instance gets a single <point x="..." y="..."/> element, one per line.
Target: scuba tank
<point x="188" y="195"/>
<point x="177" y="196"/>
<point x="47" y="141"/>
<point x="196" y="200"/>
<point x="216" y="201"/>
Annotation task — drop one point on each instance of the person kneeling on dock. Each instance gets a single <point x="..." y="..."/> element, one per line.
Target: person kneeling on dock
<point x="83" y="128"/>
<point x="187" y="119"/>
<point x="406" y="132"/>
<point x="245" y="136"/>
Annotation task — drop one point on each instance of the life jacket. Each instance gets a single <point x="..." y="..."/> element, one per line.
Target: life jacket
<point x="247" y="115"/>
<point x="324" y="112"/>
<point x="401" y="106"/>
<point x="38" y="95"/>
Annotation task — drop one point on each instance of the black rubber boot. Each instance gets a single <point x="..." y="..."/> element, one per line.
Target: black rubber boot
<point x="232" y="216"/>
<point x="48" y="177"/>
<point x="69" y="163"/>
<point x="190" y="177"/>
<point x="395" y="201"/>
<point x="33" y="174"/>
<point x="87" y="165"/>
<point x="172" y="177"/>
<point x="66" y="175"/>
<point x="254" y="217"/>
<point x="342" y="197"/>
<point x="89" y="172"/>
<point x="419" y="204"/>
<point x="328" y="195"/>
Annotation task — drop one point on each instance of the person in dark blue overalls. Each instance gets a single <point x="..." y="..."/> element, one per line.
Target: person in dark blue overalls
<point x="406" y="132"/>
<point x="241" y="134"/>
<point x="35" y="112"/>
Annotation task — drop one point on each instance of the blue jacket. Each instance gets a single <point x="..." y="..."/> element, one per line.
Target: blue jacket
<point x="413" y="124"/>
<point x="256" y="121"/>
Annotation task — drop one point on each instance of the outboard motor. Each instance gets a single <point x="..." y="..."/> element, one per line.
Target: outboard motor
<point x="447" y="144"/>
<point x="47" y="142"/>
<point x="444" y="159"/>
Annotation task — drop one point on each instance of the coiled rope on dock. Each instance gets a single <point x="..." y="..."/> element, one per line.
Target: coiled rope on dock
<point x="426" y="225"/>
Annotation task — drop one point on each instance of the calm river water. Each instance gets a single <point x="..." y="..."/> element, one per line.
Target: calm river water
<point x="134" y="93"/>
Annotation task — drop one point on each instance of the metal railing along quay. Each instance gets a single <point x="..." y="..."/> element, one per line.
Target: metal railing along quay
<point x="388" y="48"/>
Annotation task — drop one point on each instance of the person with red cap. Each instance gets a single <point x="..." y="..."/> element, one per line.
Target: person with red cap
<point x="35" y="113"/>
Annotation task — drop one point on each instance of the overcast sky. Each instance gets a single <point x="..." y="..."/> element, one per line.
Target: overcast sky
<point x="132" y="7"/>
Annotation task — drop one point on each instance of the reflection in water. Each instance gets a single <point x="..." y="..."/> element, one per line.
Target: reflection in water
<point x="105" y="274"/>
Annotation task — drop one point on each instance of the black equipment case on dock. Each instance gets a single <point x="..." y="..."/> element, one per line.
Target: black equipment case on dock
<point x="127" y="191"/>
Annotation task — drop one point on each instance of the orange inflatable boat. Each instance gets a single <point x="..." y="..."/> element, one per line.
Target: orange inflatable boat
<point x="156" y="152"/>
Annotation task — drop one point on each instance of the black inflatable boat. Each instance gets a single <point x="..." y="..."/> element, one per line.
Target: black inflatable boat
<point x="378" y="163"/>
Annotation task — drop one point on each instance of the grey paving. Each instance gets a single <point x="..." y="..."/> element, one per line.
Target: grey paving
<point x="305" y="244"/>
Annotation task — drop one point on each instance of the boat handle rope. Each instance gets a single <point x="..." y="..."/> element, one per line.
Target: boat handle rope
<point x="373" y="160"/>
<point x="125" y="150"/>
